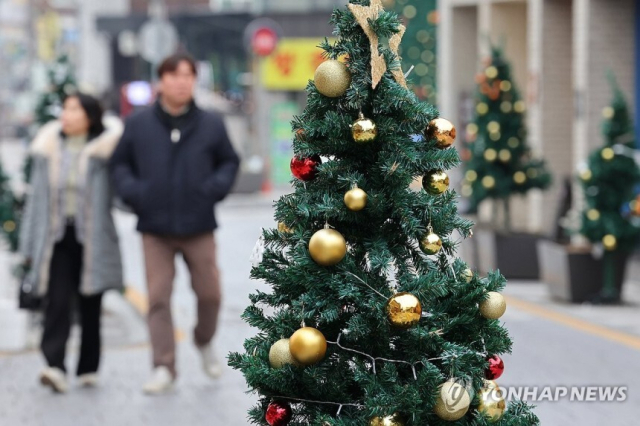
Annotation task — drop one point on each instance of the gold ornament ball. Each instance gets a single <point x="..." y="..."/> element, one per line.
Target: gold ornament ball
<point x="490" y="155"/>
<point x="467" y="274"/>
<point x="488" y="182"/>
<point x="519" y="178"/>
<point x="327" y="247"/>
<point x="332" y="78"/>
<point x="494" y="306"/>
<point x="593" y="214"/>
<point x="9" y="226"/>
<point x="492" y="402"/>
<point x="431" y="243"/>
<point x="404" y="310"/>
<point x="491" y="72"/>
<point x="608" y="154"/>
<point x="355" y="199"/>
<point x="435" y="182"/>
<point x="284" y="228"/>
<point x="364" y="130"/>
<point x="308" y="346"/>
<point x="392" y="420"/>
<point x="453" y="401"/>
<point x="610" y="242"/>
<point x="280" y="355"/>
<point x="443" y="131"/>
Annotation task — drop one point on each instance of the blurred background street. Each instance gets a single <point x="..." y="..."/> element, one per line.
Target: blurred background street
<point x="255" y="59"/>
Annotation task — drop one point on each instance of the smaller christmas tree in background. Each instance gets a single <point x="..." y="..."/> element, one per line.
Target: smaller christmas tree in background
<point x="610" y="218"/>
<point x="499" y="163"/>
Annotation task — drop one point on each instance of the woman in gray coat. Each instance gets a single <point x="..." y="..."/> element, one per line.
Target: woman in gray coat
<point x="68" y="235"/>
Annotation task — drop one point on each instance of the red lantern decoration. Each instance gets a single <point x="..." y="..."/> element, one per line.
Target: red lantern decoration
<point x="495" y="369"/>
<point x="278" y="414"/>
<point x="305" y="169"/>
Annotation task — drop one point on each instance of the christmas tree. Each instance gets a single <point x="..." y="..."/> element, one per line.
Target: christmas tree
<point x="499" y="163"/>
<point x="419" y="43"/>
<point x="609" y="182"/>
<point x="370" y="319"/>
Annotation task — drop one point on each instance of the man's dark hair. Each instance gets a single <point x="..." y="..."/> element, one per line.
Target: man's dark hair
<point x="171" y="63"/>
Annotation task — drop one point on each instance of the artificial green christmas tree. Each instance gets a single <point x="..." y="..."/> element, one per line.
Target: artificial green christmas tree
<point x="498" y="160"/>
<point x="370" y="320"/>
<point x="609" y="180"/>
<point x="419" y="45"/>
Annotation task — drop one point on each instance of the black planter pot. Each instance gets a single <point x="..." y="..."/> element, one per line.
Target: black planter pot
<point x="573" y="275"/>
<point x="514" y="254"/>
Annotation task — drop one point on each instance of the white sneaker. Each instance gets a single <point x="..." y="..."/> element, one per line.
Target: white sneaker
<point x="89" y="380"/>
<point x="210" y="363"/>
<point x="161" y="381"/>
<point x="55" y="379"/>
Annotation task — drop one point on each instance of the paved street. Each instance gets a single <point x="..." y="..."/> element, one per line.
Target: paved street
<point x="555" y="345"/>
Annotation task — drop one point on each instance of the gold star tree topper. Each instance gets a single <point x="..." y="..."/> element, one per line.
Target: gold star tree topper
<point x="378" y="65"/>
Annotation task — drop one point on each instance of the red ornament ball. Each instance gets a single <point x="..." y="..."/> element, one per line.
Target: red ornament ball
<point x="495" y="369"/>
<point x="278" y="414"/>
<point x="305" y="169"/>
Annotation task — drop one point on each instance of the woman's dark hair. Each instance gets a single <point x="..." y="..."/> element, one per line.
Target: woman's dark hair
<point x="171" y="63"/>
<point x="94" y="111"/>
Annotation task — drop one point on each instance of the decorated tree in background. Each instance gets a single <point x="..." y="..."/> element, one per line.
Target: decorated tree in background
<point x="369" y="318"/>
<point x="498" y="160"/>
<point x="609" y="181"/>
<point x="419" y="43"/>
<point x="8" y="202"/>
<point x="61" y="82"/>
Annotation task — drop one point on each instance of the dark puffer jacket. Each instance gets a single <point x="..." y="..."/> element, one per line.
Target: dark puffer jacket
<point x="172" y="170"/>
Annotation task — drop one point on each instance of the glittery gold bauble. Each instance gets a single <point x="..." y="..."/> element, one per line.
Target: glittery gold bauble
<point x="404" y="310"/>
<point x="610" y="242"/>
<point x="284" y="228"/>
<point x="491" y="72"/>
<point x="431" y="243"/>
<point x="608" y="154"/>
<point x="435" y="182"/>
<point x="332" y="78"/>
<point x="467" y="274"/>
<point x="585" y="175"/>
<point x="9" y="226"/>
<point x="519" y="178"/>
<point x="393" y="420"/>
<point x="519" y="107"/>
<point x="593" y="214"/>
<point x="355" y="199"/>
<point x="505" y="85"/>
<point x="453" y="401"/>
<point x="492" y="402"/>
<point x="364" y="130"/>
<point x="504" y="155"/>
<point x="327" y="247"/>
<point x="308" y="346"/>
<point x="494" y="306"/>
<point x="443" y="131"/>
<point x="493" y="126"/>
<point x="280" y="355"/>
<point x="608" y="112"/>
<point x="490" y="155"/>
<point x="488" y="182"/>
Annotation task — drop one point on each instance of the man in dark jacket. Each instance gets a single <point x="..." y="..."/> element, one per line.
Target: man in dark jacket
<point x="173" y="163"/>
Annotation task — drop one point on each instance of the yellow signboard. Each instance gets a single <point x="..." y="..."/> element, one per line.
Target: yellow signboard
<point x="292" y="64"/>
